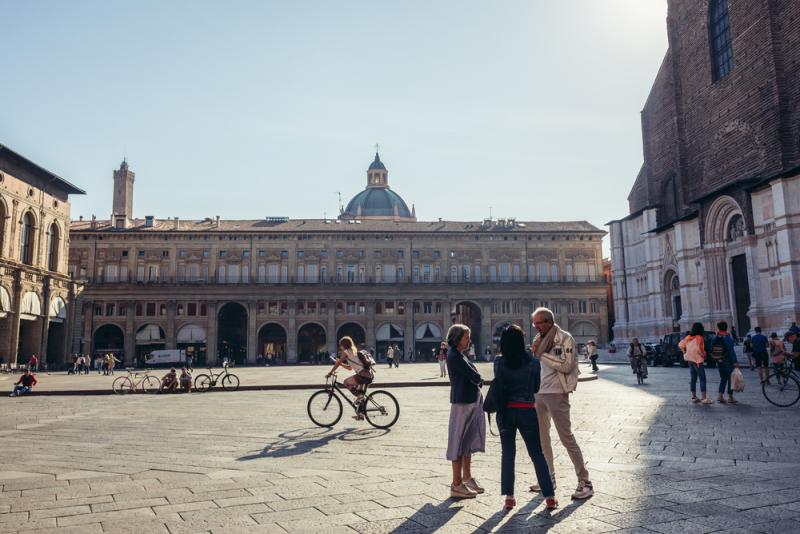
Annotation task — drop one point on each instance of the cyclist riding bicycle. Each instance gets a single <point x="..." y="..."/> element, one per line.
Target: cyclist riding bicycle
<point x="637" y="357"/>
<point x="359" y="361"/>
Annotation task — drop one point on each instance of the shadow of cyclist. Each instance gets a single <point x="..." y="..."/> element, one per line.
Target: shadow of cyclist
<point x="301" y="441"/>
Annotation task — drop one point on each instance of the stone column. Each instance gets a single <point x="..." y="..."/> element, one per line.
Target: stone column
<point x="211" y="333"/>
<point x="88" y="332"/>
<point x="370" y="330"/>
<point x="252" y="334"/>
<point x="291" y="338"/>
<point x="330" y="336"/>
<point x="68" y="326"/>
<point x="171" y="342"/>
<point x="486" y="330"/>
<point x="408" y="335"/>
<point x="129" y="343"/>
<point x="13" y="345"/>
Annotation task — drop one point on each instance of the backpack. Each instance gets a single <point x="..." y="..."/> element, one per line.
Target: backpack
<point x="718" y="349"/>
<point x="366" y="359"/>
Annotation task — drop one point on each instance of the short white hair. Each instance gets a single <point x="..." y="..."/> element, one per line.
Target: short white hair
<point x="547" y="312"/>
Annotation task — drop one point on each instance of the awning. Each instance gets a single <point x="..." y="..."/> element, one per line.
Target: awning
<point x="149" y="334"/>
<point x="31" y="307"/>
<point x="5" y="302"/>
<point x="428" y="332"/>
<point x="192" y="334"/>
<point x="389" y="332"/>
<point x="58" y="310"/>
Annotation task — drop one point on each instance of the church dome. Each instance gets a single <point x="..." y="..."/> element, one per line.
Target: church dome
<point x="377" y="202"/>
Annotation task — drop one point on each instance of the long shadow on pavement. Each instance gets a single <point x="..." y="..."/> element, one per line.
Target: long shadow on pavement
<point x="430" y="517"/>
<point x="301" y="441"/>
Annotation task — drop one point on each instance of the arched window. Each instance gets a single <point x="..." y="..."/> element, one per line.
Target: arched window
<point x="26" y="241"/>
<point x="736" y="228"/>
<point x="719" y="26"/>
<point x="52" y="247"/>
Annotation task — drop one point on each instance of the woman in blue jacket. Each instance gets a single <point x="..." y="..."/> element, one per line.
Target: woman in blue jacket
<point x="467" y="428"/>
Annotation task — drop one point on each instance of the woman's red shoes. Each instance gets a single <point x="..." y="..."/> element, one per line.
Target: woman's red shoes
<point x="551" y="503"/>
<point x="511" y="502"/>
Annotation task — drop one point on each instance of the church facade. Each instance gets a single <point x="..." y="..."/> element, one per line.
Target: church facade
<point x="713" y="231"/>
<point x="290" y="288"/>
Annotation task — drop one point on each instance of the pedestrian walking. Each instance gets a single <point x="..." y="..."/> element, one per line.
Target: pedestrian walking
<point x="111" y="361"/>
<point x="390" y="355"/>
<point x="442" y="357"/>
<point x="591" y="351"/>
<point x="724" y="353"/>
<point x="759" y="347"/>
<point x="555" y="350"/>
<point x="190" y="362"/>
<point x="466" y="432"/>
<point x="518" y="376"/>
<point x="33" y="363"/>
<point x="694" y="353"/>
<point x="747" y="348"/>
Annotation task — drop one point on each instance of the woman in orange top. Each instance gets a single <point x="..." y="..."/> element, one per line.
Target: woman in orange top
<point x="694" y="352"/>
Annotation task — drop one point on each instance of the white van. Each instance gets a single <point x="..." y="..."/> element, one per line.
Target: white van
<point x="165" y="357"/>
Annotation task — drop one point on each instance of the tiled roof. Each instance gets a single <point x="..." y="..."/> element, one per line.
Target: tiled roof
<point x="333" y="226"/>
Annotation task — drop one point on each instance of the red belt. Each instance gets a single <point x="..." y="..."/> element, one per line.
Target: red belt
<point x="530" y="405"/>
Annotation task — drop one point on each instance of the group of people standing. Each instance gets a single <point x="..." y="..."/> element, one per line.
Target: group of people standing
<point x="532" y="388"/>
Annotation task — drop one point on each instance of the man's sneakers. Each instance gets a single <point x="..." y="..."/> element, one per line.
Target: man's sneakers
<point x="473" y="485"/>
<point x="462" y="492"/>
<point x="536" y="488"/>
<point x="584" y="490"/>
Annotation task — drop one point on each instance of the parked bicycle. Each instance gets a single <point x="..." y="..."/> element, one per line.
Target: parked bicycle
<point x="204" y="382"/>
<point x="380" y="408"/>
<point x="134" y="382"/>
<point x="782" y="386"/>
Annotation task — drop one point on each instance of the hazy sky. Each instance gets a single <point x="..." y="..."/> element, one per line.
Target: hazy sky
<point x="248" y="109"/>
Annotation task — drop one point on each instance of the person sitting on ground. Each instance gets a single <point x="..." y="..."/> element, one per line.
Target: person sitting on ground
<point x="186" y="380"/>
<point x="353" y="360"/>
<point x="169" y="382"/>
<point x="24" y="384"/>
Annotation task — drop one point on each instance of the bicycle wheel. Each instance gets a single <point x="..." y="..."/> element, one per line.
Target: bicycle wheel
<point x="230" y="382"/>
<point x="324" y="408"/>
<point x="150" y="384"/>
<point x="122" y="385"/>
<point x="202" y="383"/>
<point x="382" y="409"/>
<point x="783" y="389"/>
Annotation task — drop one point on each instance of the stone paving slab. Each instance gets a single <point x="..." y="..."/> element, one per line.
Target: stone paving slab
<point x="253" y="462"/>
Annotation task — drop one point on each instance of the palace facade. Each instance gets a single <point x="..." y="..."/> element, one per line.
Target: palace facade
<point x="293" y="287"/>
<point x="713" y="231"/>
<point x="36" y="295"/>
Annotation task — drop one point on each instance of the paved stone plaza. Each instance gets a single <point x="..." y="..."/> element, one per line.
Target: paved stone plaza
<point x="252" y="462"/>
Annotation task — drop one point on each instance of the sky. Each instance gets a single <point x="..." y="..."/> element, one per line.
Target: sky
<point x="249" y="109"/>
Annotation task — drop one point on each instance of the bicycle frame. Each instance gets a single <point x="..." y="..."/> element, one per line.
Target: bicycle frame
<point x="334" y="386"/>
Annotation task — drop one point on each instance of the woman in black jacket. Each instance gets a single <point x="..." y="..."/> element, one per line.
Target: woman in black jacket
<point x="467" y="427"/>
<point x="517" y="373"/>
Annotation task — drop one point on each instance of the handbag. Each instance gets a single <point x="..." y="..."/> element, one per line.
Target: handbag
<point x="493" y="401"/>
<point x="737" y="381"/>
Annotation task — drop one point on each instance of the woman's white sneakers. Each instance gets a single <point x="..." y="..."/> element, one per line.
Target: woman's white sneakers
<point x="462" y="492"/>
<point x="473" y="485"/>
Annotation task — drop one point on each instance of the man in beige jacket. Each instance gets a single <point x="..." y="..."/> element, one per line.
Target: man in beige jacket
<point x="555" y="349"/>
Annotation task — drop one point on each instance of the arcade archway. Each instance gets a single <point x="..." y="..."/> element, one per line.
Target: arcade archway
<point x="192" y="339"/>
<point x="387" y="334"/>
<point x="232" y="335"/>
<point x="355" y="331"/>
<point x="109" y="338"/>
<point x="272" y="343"/>
<point x="427" y="339"/>
<point x="468" y="313"/>
<point x="311" y="342"/>
<point x="149" y="337"/>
